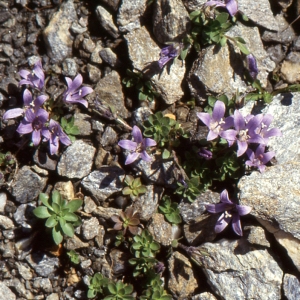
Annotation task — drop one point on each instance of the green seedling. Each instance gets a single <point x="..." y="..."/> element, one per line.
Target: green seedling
<point x="59" y="214"/>
<point x="97" y="283"/>
<point x="74" y="257"/>
<point x="155" y="291"/>
<point x="190" y="189"/>
<point x="134" y="187"/>
<point x="144" y="245"/>
<point x="142" y="265"/>
<point x="170" y="210"/>
<point x="69" y="128"/>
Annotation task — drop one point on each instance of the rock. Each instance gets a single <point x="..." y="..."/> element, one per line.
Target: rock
<point x="66" y="189"/>
<point x="109" y="137"/>
<point x="42" y="159"/>
<point x="284" y="35"/>
<point x="6" y="222"/>
<point x="43" y="264"/>
<point x="130" y="13"/>
<point x="43" y="284"/>
<point x="88" y="45"/>
<point x="89" y="205"/>
<point x="73" y="164"/>
<point x="78" y="28"/>
<point x="70" y="67"/>
<point x="75" y="243"/>
<point x="53" y="296"/>
<point x="111" y="96"/>
<point x="24" y="271"/>
<point x="259" y="12"/>
<point x="291" y="287"/>
<point x="147" y="204"/>
<point x="284" y="3"/>
<point x="290" y="68"/>
<point x="6" y="293"/>
<point x="56" y="35"/>
<point x="144" y="54"/>
<point x="277" y="53"/>
<point x="90" y="228"/>
<point x="256" y="236"/>
<point x="103" y="157"/>
<point x="109" y="57"/>
<point x="27" y="185"/>
<point x="171" y="22"/>
<point x="7" y="249"/>
<point x="236" y="271"/>
<point x="95" y="56"/>
<point x="3" y="199"/>
<point x="119" y="261"/>
<point x="106" y="21"/>
<point x="19" y="287"/>
<point x="94" y="73"/>
<point x="106" y="212"/>
<point x="113" y="4"/>
<point x="192" y="5"/>
<point x="182" y="282"/>
<point x="104" y="182"/>
<point x="204" y="296"/>
<point x="141" y="114"/>
<point x="160" y="230"/>
<point x="24" y="215"/>
<point x="83" y="122"/>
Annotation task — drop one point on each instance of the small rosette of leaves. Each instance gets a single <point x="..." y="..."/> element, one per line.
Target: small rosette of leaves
<point x="163" y="130"/>
<point x="170" y="210"/>
<point x="190" y="189"/>
<point x="74" y="257"/>
<point x="69" y="128"/>
<point x="134" y="187"/>
<point x="6" y="159"/>
<point x="129" y="219"/>
<point x="155" y="291"/>
<point x="144" y="245"/>
<point x="142" y="265"/>
<point x="97" y="283"/>
<point x="59" y="214"/>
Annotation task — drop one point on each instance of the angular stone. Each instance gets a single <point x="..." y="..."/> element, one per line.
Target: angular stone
<point x="24" y="271"/>
<point x="104" y="182"/>
<point x="106" y="212"/>
<point x="182" y="283"/>
<point x="144" y="54"/>
<point x="70" y="67"/>
<point x="3" y="199"/>
<point x="291" y="287"/>
<point x="27" y="185"/>
<point x="106" y="21"/>
<point x="90" y="228"/>
<point x="256" y="236"/>
<point x="6" y="293"/>
<point x="171" y="22"/>
<point x="109" y="57"/>
<point x="290" y="68"/>
<point x="109" y="137"/>
<point x="160" y="229"/>
<point x="234" y="269"/>
<point x="147" y="204"/>
<point x="43" y="284"/>
<point x="73" y="164"/>
<point x="83" y="122"/>
<point x="6" y="222"/>
<point x="65" y="189"/>
<point x="204" y="296"/>
<point x="192" y="5"/>
<point x="19" y="287"/>
<point x="57" y="36"/>
<point x="43" y="264"/>
<point x="75" y="243"/>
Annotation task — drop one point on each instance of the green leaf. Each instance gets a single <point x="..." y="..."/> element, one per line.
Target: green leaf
<point x="136" y="182"/>
<point x="127" y="191"/>
<point x="44" y="199"/>
<point x="223" y="41"/>
<point x="112" y="289"/>
<point x="56" y="208"/>
<point x="91" y="293"/>
<point x="184" y="53"/>
<point x="142" y="96"/>
<point x="70" y="217"/>
<point x="74" y="205"/>
<point x="222" y="17"/>
<point x="41" y="212"/>
<point x="166" y="154"/>
<point x="56" y="197"/>
<point x="51" y="222"/>
<point x="66" y="227"/>
<point x="243" y="48"/>
<point x="141" y="189"/>
<point x="57" y="236"/>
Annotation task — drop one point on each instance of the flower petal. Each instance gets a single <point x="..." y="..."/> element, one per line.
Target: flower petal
<point x="205" y="118"/>
<point x="236" y="224"/>
<point x="239" y="121"/>
<point x="27" y="97"/>
<point x="222" y="223"/>
<point x="242" y="147"/>
<point x="267" y="157"/>
<point x="137" y="134"/>
<point x="147" y="142"/>
<point x="76" y="83"/>
<point x="224" y="198"/>
<point x="219" y="207"/>
<point x="128" y="145"/>
<point x="232" y="7"/>
<point x="13" y="113"/>
<point x="36" y="137"/>
<point x="85" y="90"/>
<point x="131" y="158"/>
<point x="211" y="135"/>
<point x="145" y="156"/>
<point x="24" y="127"/>
<point x="219" y="111"/>
<point x="243" y="209"/>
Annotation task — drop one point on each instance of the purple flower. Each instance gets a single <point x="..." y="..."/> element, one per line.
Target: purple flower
<point x="28" y="103"/>
<point x="217" y="124"/>
<point x="168" y="53"/>
<point x="137" y="147"/>
<point x="231" y="211"/>
<point x="263" y="131"/>
<point x="252" y="66"/>
<point x="206" y="154"/>
<point x="75" y="93"/>
<point x="258" y="158"/>
<point x="35" y="78"/>
<point x="55" y="135"/>
<point x="34" y="121"/>
<point x="246" y="131"/>
<point x="230" y="5"/>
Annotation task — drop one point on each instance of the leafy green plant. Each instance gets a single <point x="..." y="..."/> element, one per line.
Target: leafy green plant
<point x="74" y="257"/>
<point x="134" y="187"/>
<point x="170" y="210"/>
<point x="142" y="265"/>
<point x="190" y="189"/>
<point x="6" y="159"/>
<point x="97" y="283"/>
<point x="144" y="86"/>
<point x="155" y="291"/>
<point x="7" y="162"/>
<point x="69" y="128"/>
<point x="59" y="214"/>
<point x="163" y="130"/>
<point x="144" y="245"/>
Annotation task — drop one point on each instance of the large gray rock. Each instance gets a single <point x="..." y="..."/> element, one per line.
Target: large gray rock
<point x="27" y="185"/>
<point x="235" y="271"/>
<point x="291" y="287"/>
<point x="57" y="36"/>
<point x="171" y="21"/>
<point x="274" y="198"/>
<point x="107" y="22"/>
<point x="73" y="164"/>
<point x="104" y="182"/>
<point x="286" y="113"/>
<point x="144" y="54"/>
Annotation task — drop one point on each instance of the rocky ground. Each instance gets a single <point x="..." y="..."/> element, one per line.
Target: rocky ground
<point x="101" y="39"/>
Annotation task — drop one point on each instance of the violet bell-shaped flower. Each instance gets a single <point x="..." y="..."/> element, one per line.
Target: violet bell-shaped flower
<point x="168" y="53"/>
<point x="230" y="5"/>
<point x="35" y="78"/>
<point x="206" y="154"/>
<point x="55" y="135"/>
<point x="34" y="121"/>
<point x="28" y="103"/>
<point x="218" y="126"/>
<point x="137" y="147"/>
<point x="230" y="212"/>
<point x="246" y="131"/>
<point x="252" y="66"/>
<point x="74" y="92"/>
<point x="259" y="158"/>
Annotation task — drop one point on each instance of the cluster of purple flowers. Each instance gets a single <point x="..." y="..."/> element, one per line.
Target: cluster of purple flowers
<point x="36" y="119"/>
<point x="243" y="131"/>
